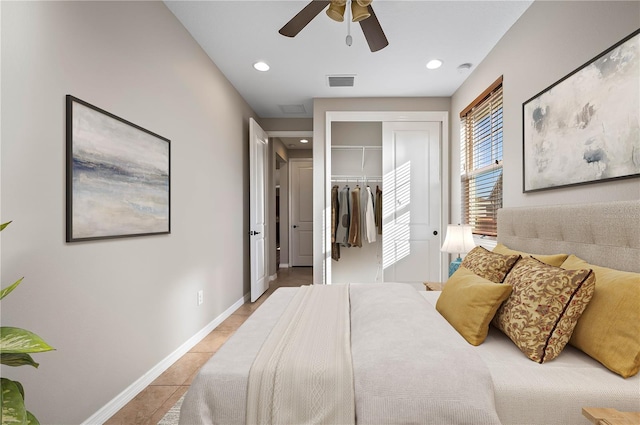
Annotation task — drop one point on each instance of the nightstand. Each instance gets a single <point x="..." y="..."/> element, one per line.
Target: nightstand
<point x="433" y="286"/>
<point x="603" y="416"/>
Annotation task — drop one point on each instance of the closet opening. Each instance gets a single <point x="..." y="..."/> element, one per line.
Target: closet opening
<point x="356" y="185"/>
<point x="406" y="152"/>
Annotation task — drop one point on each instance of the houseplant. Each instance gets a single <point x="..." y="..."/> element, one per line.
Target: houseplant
<point x="16" y="345"/>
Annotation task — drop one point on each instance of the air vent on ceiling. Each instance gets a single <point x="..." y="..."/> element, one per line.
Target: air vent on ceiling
<point x="292" y="109"/>
<point x="341" y="80"/>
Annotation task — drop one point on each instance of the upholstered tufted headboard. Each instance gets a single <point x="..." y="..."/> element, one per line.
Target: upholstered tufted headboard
<point x="604" y="234"/>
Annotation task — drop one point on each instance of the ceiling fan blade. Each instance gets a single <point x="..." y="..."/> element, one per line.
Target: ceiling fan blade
<point x="298" y="22"/>
<point x="373" y="32"/>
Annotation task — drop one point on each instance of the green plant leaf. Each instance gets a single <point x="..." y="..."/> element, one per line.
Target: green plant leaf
<point x="13" y="411"/>
<point x="17" y="359"/>
<point x="31" y="420"/>
<point x="3" y="225"/>
<point x="6" y="291"/>
<point x="17" y="340"/>
<point x="20" y="388"/>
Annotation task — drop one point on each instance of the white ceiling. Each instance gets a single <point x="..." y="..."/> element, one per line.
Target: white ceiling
<point x="238" y="33"/>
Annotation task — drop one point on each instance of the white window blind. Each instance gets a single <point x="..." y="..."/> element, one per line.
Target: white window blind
<point x="481" y="160"/>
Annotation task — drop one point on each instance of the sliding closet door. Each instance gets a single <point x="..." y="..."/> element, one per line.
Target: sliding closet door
<point x="412" y="194"/>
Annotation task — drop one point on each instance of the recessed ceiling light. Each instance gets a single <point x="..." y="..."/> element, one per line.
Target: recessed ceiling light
<point x="304" y="141"/>
<point x="434" y="64"/>
<point x="261" y="66"/>
<point x="291" y="145"/>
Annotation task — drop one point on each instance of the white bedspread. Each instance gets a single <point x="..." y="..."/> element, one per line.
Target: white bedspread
<point x="409" y="368"/>
<point x="552" y="393"/>
<point x="409" y="365"/>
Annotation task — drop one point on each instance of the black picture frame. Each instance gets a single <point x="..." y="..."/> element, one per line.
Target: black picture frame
<point x="118" y="176"/>
<point x="585" y="127"/>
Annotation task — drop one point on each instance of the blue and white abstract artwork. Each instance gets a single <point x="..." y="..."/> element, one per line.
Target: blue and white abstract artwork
<point x="586" y="127"/>
<point x="117" y="176"/>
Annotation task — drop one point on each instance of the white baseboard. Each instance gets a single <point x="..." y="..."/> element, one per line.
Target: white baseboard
<point x="112" y="407"/>
<point x="273" y="277"/>
<point x="284" y="265"/>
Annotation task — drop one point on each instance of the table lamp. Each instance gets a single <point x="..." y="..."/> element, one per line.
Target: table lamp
<point x="459" y="240"/>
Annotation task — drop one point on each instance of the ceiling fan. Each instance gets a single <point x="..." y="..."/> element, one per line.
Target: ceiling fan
<point x="361" y="11"/>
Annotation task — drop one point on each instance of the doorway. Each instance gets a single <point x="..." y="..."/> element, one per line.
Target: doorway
<point x="301" y="212"/>
<point x="322" y="180"/>
<point x="285" y="149"/>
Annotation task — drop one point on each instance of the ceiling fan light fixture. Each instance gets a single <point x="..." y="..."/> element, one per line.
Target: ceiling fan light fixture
<point x="336" y="11"/>
<point x="359" y="12"/>
<point x="364" y="3"/>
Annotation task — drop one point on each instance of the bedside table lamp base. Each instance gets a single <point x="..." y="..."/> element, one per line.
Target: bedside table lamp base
<point x="454" y="265"/>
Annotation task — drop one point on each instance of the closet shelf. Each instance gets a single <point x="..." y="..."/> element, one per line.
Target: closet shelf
<point x="357" y="148"/>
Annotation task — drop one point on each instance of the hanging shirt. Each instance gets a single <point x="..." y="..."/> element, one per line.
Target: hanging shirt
<point x="370" y="220"/>
<point x="335" y="206"/>
<point x="355" y="237"/>
<point x="378" y="215"/>
<point x="342" y="231"/>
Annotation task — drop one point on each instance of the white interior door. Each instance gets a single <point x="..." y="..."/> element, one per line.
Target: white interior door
<point x="301" y="218"/>
<point x="258" y="154"/>
<point x="411" y="201"/>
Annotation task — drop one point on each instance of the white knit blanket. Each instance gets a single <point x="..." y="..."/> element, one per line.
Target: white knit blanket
<point x="303" y="372"/>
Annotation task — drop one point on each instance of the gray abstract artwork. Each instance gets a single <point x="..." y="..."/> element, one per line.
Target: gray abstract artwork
<point x="119" y="177"/>
<point x="586" y="128"/>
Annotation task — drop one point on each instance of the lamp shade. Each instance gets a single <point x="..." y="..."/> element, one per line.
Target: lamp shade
<point x="459" y="239"/>
<point x="336" y="10"/>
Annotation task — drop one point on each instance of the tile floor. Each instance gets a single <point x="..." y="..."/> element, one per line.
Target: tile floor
<point x="148" y="407"/>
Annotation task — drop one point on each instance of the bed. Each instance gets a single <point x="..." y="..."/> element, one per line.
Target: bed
<point x="410" y="365"/>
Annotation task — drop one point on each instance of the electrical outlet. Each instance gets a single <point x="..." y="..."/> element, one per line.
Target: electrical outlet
<point x="200" y="297"/>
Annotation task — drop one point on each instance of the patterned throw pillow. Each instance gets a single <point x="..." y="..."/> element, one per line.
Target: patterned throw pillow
<point x="489" y="265"/>
<point x="552" y="260"/>
<point x="544" y="306"/>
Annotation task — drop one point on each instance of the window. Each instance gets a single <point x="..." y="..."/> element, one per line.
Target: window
<point x="481" y="160"/>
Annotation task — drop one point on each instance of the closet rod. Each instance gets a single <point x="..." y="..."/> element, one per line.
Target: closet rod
<point x="358" y="178"/>
<point x="355" y="147"/>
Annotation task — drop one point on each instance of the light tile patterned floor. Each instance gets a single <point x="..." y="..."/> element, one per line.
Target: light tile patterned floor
<point x="148" y="407"/>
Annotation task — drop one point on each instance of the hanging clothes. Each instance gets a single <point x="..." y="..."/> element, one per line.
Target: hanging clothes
<point x="355" y="237"/>
<point x="370" y="219"/>
<point x="342" y="231"/>
<point x="378" y="206"/>
<point x="335" y="209"/>
<point x="363" y="215"/>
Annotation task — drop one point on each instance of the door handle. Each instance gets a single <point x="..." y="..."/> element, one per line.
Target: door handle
<point x="251" y="233"/>
<point x="295" y="226"/>
<point x="435" y="233"/>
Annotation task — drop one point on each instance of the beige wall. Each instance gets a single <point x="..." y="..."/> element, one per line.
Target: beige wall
<point x="114" y="309"/>
<point x="549" y="41"/>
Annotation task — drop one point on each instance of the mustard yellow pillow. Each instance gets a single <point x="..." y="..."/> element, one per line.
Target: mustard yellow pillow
<point x="552" y="260"/>
<point x="469" y="302"/>
<point x="489" y="265"/>
<point x="609" y="328"/>
<point x="544" y="306"/>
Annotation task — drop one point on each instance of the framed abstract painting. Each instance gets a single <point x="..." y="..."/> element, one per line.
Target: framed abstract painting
<point x="585" y="128"/>
<point x="118" y="176"/>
